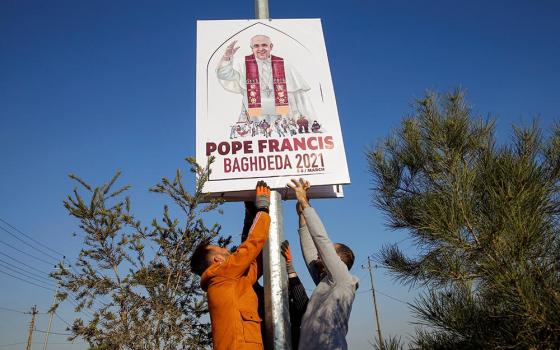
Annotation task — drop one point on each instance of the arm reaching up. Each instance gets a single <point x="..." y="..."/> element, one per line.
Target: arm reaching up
<point x="246" y="254"/>
<point x="335" y="267"/>
<point x="308" y="249"/>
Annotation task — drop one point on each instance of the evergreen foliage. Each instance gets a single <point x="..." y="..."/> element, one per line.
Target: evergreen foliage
<point x="135" y="281"/>
<point x="390" y="343"/>
<point x="485" y="220"/>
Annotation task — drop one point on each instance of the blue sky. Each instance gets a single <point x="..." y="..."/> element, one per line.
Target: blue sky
<point x="90" y="87"/>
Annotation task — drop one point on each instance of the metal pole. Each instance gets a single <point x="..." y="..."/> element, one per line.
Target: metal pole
<point x="381" y="342"/>
<point x="51" y="314"/>
<point x="31" y="327"/>
<point x="261" y="9"/>
<point x="277" y="313"/>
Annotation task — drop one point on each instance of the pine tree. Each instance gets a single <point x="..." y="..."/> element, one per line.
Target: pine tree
<point x="484" y="218"/>
<point x="135" y="281"/>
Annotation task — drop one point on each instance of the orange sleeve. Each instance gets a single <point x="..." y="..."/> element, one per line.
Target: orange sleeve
<point x="256" y="269"/>
<point x="238" y="263"/>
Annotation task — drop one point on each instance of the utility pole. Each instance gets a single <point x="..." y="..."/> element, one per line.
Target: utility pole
<point x="31" y="327"/>
<point x="277" y="312"/>
<point x="375" y="307"/>
<point x="261" y="9"/>
<point x="51" y="314"/>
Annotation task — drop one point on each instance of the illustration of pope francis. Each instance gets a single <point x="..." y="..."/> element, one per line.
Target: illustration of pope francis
<point x="270" y="87"/>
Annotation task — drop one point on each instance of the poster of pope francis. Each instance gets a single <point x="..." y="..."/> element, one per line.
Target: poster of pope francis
<point x="265" y="105"/>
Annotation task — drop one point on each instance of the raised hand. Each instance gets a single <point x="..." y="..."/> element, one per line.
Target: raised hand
<point x="262" y="196"/>
<point x="230" y="51"/>
<point x="300" y="188"/>
<point x="287" y="254"/>
<point x="285" y="250"/>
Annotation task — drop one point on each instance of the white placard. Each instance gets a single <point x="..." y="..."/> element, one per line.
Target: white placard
<point x="265" y="105"/>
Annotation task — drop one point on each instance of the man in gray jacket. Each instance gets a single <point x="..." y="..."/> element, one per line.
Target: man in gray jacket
<point x="325" y="323"/>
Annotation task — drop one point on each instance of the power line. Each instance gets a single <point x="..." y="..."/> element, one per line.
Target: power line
<point x="57" y="333"/>
<point x="22" y="271"/>
<point x="30" y="255"/>
<point x="24" y="264"/>
<point x="391" y="297"/>
<point x="63" y="320"/>
<point x="36" y="343"/>
<point x="363" y="262"/>
<point x="13" y="344"/>
<point x="31" y="238"/>
<point x="34" y="240"/>
<point x="29" y="275"/>
<point x="42" y="286"/>
<point x="402" y="240"/>
<point x="35" y="276"/>
<point x="37" y="242"/>
<point x="25" y="275"/>
<point x="363" y="275"/>
<point x="21" y="279"/>
<point x="384" y="294"/>
<point x="27" y="243"/>
<point x="83" y="311"/>
<point x="14" y="310"/>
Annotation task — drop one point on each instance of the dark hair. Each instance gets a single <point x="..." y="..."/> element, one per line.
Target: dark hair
<point x="198" y="259"/>
<point x="346" y="254"/>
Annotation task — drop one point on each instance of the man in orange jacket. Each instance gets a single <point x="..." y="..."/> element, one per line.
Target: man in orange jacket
<point x="229" y="277"/>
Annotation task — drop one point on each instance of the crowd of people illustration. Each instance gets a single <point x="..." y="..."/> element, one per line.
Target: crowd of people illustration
<point x="280" y="127"/>
<point x="236" y="300"/>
